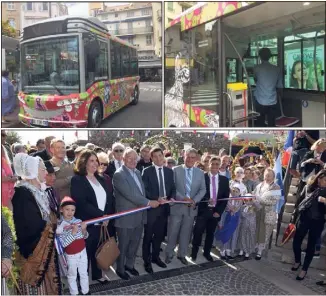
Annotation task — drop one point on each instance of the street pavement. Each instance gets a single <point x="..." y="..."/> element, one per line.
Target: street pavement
<point x="146" y="114"/>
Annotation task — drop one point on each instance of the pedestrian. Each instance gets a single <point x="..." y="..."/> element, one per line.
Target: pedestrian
<point x="8" y="97"/>
<point x="72" y="238"/>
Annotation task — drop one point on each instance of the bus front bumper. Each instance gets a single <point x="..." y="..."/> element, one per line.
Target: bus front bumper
<point x="47" y="123"/>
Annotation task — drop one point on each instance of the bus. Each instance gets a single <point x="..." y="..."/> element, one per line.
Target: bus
<point x="74" y="73"/>
<point x="212" y="49"/>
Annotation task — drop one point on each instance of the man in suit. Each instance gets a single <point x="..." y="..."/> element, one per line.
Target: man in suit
<point x="145" y="160"/>
<point x="190" y="186"/>
<point x="209" y="214"/>
<point x="117" y="161"/>
<point x="129" y="192"/>
<point x="159" y="185"/>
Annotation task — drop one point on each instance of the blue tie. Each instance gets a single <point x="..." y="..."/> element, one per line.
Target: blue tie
<point x="188" y="183"/>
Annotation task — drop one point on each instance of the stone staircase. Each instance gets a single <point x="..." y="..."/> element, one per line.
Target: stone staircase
<point x="287" y="254"/>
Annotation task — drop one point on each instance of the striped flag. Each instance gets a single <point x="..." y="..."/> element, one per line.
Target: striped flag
<point x="279" y="180"/>
<point x="132" y="133"/>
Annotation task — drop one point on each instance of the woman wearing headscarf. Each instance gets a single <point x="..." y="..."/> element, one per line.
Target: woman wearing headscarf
<point x="35" y="226"/>
<point x="268" y="194"/>
<point x="7" y="179"/>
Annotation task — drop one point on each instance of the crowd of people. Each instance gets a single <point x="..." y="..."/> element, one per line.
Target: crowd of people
<point x="53" y="189"/>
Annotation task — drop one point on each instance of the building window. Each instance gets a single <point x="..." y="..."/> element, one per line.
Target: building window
<point x="29" y="6"/>
<point x="170" y="6"/>
<point x="11" y="6"/>
<point x="148" y="39"/>
<point x="12" y="23"/>
<point x="148" y="23"/>
<point x="45" y="6"/>
<point x="131" y="40"/>
<point x="145" y="11"/>
<point x="115" y="15"/>
<point x="130" y="13"/>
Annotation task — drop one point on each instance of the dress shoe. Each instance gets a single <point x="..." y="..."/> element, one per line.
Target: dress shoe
<point x="208" y="257"/>
<point x="258" y="257"/>
<point x="125" y="276"/>
<point x="102" y="281"/>
<point x="89" y="293"/>
<point x="223" y="257"/>
<point x="321" y="283"/>
<point x="133" y="271"/>
<point x="159" y="263"/>
<point x="293" y="268"/>
<point x="148" y="268"/>
<point x="193" y="257"/>
<point x="183" y="260"/>
<point x="298" y="278"/>
<point x="168" y="260"/>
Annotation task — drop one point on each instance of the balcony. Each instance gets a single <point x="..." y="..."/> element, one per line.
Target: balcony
<point x="159" y="15"/>
<point x="132" y="31"/>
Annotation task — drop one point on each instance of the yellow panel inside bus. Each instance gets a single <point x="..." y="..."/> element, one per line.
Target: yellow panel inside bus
<point x="238" y="86"/>
<point x="170" y="62"/>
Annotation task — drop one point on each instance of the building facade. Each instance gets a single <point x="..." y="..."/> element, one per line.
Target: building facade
<point x="33" y="12"/>
<point x="173" y="9"/>
<point x="11" y="12"/>
<point x="139" y="23"/>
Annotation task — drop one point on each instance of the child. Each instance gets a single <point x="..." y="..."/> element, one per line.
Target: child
<point x="72" y="237"/>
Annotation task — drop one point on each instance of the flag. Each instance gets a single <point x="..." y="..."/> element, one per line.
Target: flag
<point x="147" y="133"/>
<point x="132" y="133"/>
<point x="287" y="148"/>
<point x="76" y="134"/>
<point x="63" y="137"/>
<point x="118" y="135"/>
<point x="164" y="133"/>
<point x="279" y="180"/>
<point x="195" y="131"/>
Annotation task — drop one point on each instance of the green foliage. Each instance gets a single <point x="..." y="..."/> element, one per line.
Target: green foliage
<point x="7" y="214"/>
<point x="13" y="137"/>
<point x="7" y="29"/>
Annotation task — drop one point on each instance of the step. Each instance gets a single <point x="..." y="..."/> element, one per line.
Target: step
<point x="295" y="181"/>
<point x="286" y="217"/>
<point x="293" y="189"/>
<point x="291" y="198"/>
<point x="289" y="207"/>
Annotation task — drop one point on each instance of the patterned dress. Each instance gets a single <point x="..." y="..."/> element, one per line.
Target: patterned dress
<point x="266" y="218"/>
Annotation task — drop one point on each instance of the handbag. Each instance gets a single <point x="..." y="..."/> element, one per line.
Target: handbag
<point x="107" y="250"/>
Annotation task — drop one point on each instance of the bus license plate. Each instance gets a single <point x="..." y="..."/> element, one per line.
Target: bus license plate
<point x="40" y="122"/>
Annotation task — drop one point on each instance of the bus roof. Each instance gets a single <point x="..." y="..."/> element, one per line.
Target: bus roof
<point x="204" y="12"/>
<point x="93" y="21"/>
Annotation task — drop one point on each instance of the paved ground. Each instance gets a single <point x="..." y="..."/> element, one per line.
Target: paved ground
<point x="146" y="114"/>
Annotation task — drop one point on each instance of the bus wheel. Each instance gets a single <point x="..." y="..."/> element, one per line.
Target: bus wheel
<point x="95" y="115"/>
<point x="135" y="96"/>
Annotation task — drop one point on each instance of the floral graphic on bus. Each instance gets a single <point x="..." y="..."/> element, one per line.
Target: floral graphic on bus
<point x="107" y="93"/>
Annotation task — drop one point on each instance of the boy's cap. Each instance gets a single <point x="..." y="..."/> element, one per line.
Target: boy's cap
<point x="67" y="201"/>
<point x="237" y="186"/>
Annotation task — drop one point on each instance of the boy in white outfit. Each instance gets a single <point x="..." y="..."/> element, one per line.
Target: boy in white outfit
<point x="72" y="237"/>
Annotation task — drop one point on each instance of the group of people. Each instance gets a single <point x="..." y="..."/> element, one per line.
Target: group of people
<point x="52" y="196"/>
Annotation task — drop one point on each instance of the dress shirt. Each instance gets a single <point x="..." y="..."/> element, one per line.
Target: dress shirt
<point x="158" y="178"/>
<point x="116" y="163"/>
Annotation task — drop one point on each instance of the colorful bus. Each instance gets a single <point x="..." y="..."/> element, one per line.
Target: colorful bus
<point x="74" y="73"/>
<point x="210" y="53"/>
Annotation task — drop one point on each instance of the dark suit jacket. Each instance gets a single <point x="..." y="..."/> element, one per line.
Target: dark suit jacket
<point x="141" y="165"/>
<point x="86" y="204"/>
<point x="43" y="154"/>
<point x="151" y="184"/>
<point x="110" y="170"/>
<point x="223" y="192"/>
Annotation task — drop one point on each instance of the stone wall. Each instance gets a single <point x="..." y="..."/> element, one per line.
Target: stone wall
<point x="202" y="141"/>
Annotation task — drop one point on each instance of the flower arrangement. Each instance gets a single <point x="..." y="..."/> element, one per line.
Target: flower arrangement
<point x="164" y="140"/>
<point x="7" y="214"/>
<point x="266" y="154"/>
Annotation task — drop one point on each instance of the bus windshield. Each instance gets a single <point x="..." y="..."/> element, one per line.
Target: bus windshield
<point x="51" y="66"/>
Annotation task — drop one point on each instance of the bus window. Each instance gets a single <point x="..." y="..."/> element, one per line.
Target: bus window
<point x="125" y="61"/>
<point x="115" y="60"/>
<point x="97" y="68"/>
<point x="133" y="62"/>
<point x="300" y="64"/>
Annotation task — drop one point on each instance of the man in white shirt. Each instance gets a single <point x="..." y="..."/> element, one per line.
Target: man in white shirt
<point x="117" y="161"/>
<point x="210" y="212"/>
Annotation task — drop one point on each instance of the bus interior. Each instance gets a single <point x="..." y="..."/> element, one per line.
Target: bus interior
<point x="295" y="34"/>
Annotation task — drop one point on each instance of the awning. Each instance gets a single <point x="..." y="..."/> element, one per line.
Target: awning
<point x="9" y="42"/>
<point x="150" y="64"/>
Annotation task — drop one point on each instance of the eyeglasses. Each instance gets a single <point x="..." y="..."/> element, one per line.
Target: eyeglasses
<point x="104" y="164"/>
<point x="118" y="150"/>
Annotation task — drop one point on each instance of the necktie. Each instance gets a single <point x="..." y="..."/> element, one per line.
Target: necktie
<point x="161" y="187"/>
<point x="119" y="163"/>
<point x="214" y="189"/>
<point x="188" y="183"/>
<point x="137" y="182"/>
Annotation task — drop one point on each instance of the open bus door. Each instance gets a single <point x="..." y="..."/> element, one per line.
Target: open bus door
<point x="295" y="34"/>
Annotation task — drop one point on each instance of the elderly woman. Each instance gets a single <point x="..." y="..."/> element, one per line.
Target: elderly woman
<point x="35" y="225"/>
<point x="268" y="193"/>
<point x="18" y="148"/>
<point x="93" y="199"/>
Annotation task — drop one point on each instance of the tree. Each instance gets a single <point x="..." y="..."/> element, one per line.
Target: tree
<point x="7" y="29"/>
<point x="13" y="137"/>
